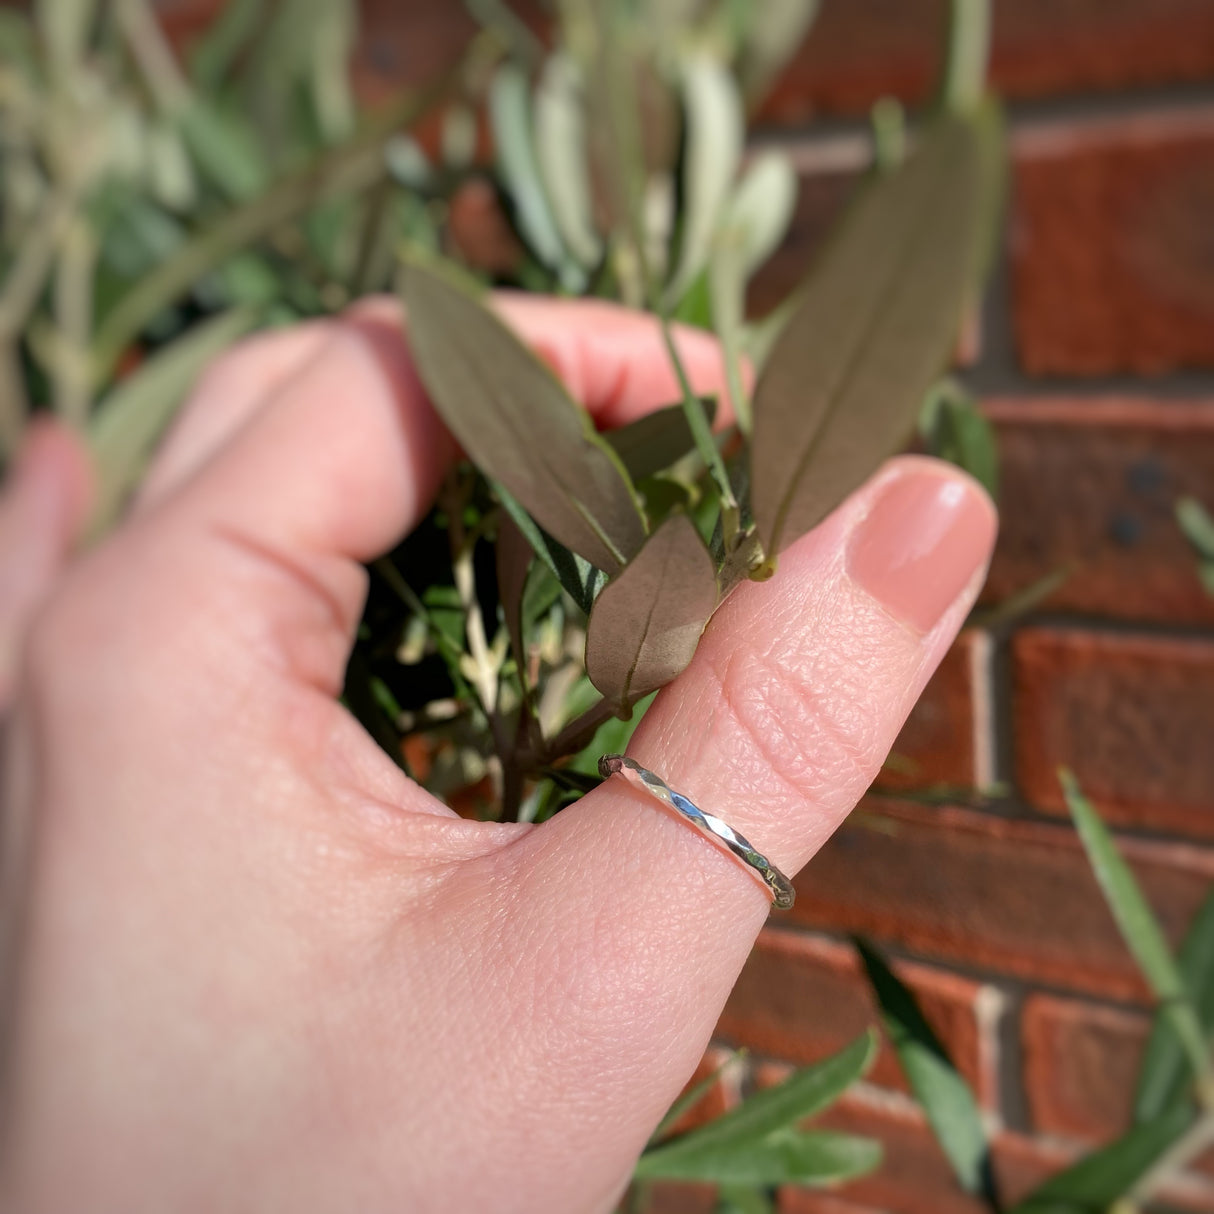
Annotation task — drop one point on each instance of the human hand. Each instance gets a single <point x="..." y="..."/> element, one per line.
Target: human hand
<point x="251" y="966"/>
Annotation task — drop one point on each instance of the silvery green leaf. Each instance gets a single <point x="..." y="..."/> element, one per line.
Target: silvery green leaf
<point x="560" y="137"/>
<point x="776" y="31"/>
<point x="646" y="623"/>
<point x="127" y="423"/>
<point x="872" y="329"/>
<point x="715" y="128"/>
<point x="510" y="118"/>
<point x="518" y="424"/>
<point x="1197" y="524"/>
<point x="761" y="208"/>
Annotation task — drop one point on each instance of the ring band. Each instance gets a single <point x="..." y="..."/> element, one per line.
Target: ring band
<point x="782" y="892"/>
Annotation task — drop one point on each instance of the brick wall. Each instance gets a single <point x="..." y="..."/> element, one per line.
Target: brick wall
<point x="1096" y="365"/>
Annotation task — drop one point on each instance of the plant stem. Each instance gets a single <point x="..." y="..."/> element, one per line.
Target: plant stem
<point x="969" y="40"/>
<point x="28" y="275"/>
<point x="152" y="53"/>
<point x="569" y="740"/>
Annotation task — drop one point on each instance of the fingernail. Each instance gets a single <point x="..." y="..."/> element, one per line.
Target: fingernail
<point x="921" y="543"/>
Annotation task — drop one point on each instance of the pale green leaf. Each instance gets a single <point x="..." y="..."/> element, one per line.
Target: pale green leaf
<point x="561" y="149"/>
<point x="951" y="1109"/>
<point x="128" y="422"/>
<point x="646" y="622"/>
<point x="216" y="51"/>
<point x="1099" y="1179"/>
<point x="818" y="1157"/>
<point x="1165" y="1073"/>
<point x="715" y="130"/>
<point x="803" y="1094"/>
<point x="874" y="326"/>
<point x="1197" y="524"/>
<point x="514" y="144"/>
<point x="761" y="208"/>
<point x="775" y="33"/>
<point x="1137" y="922"/>
<point x="225" y="148"/>
<point x="518" y="424"/>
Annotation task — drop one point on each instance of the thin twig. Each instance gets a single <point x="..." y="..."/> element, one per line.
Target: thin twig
<point x="151" y="51"/>
<point x="74" y="316"/>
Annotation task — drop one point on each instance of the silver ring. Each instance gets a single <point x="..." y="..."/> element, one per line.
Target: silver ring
<point x="782" y="892"/>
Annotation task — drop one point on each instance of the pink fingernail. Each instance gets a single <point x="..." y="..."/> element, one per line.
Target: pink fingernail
<point x="921" y="543"/>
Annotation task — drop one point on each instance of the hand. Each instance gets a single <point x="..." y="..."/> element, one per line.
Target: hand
<point x="251" y="966"/>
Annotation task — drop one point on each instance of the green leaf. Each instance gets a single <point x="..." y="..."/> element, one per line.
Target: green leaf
<point x="715" y="130"/>
<point x="873" y="328"/>
<point x="518" y="424"/>
<point x="690" y="1099"/>
<point x="803" y="1094"/>
<point x="1197" y="525"/>
<point x="225" y="148"/>
<point x="954" y="429"/>
<point x="1165" y="1074"/>
<point x="646" y="623"/>
<point x="1137" y="923"/>
<point x="513" y="555"/>
<point x="817" y="1157"/>
<point x="510" y="117"/>
<point x="581" y="580"/>
<point x="1097" y="1180"/>
<point x="127" y="423"/>
<point x="560" y="145"/>
<point x="656" y="440"/>
<point x="733" y="1199"/>
<point x="951" y="1109"/>
<point x="775" y="32"/>
<point x="219" y="46"/>
<point x="761" y="208"/>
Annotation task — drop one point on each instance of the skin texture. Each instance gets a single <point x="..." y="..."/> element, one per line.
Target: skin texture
<point x="247" y="964"/>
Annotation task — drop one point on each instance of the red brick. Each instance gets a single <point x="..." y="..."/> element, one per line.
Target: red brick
<point x="1112" y="261"/>
<point x="679" y="1197"/>
<point x="1131" y="715"/>
<point x="1092" y="485"/>
<point x="946" y="738"/>
<point x="1080" y="1065"/>
<point x="1014" y="897"/>
<point x="801" y="997"/>
<point x="860" y="50"/>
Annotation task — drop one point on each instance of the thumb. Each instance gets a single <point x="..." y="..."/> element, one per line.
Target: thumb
<point x="794" y="697"/>
<point x="43" y="508"/>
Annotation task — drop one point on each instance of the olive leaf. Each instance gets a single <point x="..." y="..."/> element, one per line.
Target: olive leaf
<point x="129" y="421"/>
<point x="518" y="424"/>
<point x="656" y="440"/>
<point x="877" y="321"/>
<point x="560" y="146"/>
<point x="645" y="624"/>
<point x="715" y="131"/>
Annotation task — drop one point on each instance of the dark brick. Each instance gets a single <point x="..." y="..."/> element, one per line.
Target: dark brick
<point x="801" y="998"/>
<point x="860" y="50"/>
<point x="945" y="740"/>
<point x="1112" y="248"/>
<point x="1131" y="715"/>
<point x="1091" y="485"/>
<point x="1012" y="897"/>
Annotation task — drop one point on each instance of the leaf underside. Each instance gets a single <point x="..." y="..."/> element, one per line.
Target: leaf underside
<point x="518" y="424"/>
<point x="877" y="321"/>
<point x="646" y="623"/>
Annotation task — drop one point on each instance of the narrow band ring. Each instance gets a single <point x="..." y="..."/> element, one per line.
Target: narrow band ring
<point x="721" y="833"/>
